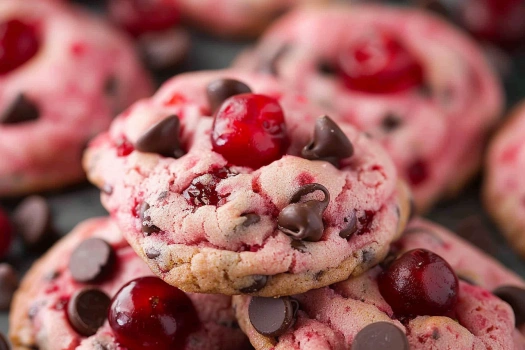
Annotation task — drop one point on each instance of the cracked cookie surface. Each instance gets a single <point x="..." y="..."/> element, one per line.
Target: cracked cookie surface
<point x="204" y="224"/>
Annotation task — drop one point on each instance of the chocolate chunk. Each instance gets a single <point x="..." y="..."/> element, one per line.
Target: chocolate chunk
<point x="111" y="86"/>
<point x="91" y="261"/>
<point x="221" y="89"/>
<point x="87" y="310"/>
<point x="391" y="122"/>
<point x="379" y="336"/>
<point x="351" y="227"/>
<point x="326" y="68"/>
<point x="147" y="228"/>
<point x="259" y="282"/>
<point x="19" y="111"/>
<point x="8" y="285"/>
<point x="32" y="220"/>
<point x="162" y="138"/>
<point x="251" y="218"/>
<point x="152" y="253"/>
<point x="329" y="143"/>
<point x="4" y="344"/>
<point x="515" y="297"/>
<point x="298" y="245"/>
<point x="272" y="316"/>
<point x="304" y="221"/>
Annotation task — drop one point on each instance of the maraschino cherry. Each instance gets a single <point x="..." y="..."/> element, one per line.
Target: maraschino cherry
<point x="250" y="130"/>
<point x="149" y="314"/>
<point x="18" y="44"/>
<point x="379" y="64"/>
<point x="419" y="283"/>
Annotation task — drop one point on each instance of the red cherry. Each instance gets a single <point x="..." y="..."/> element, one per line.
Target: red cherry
<point x="498" y="21"/>
<point x="417" y="172"/>
<point x="6" y="233"/>
<point x="379" y="64"/>
<point x="147" y="314"/>
<point x="419" y="283"/>
<point x="18" y="44"/>
<point x="142" y="16"/>
<point x="202" y="190"/>
<point x="249" y="130"/>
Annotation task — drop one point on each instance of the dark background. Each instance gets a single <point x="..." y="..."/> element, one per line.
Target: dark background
<point x="464" y="213"/>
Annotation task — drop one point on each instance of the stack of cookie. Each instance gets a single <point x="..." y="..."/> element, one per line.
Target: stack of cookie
<point x="242" y="212"/>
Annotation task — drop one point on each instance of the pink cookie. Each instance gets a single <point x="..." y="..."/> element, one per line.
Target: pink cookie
<point x="63" y="76"/>
<point x="504" y="185"/>
<point x="407" y="78"/>
<point x="41" y="317"/>
<point x="335" y="317"/>
<point x="246" y="204"/>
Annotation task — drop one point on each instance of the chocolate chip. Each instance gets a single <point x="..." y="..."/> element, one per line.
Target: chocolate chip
<point x="298" y="245"/>
<point x="19" y="111"/>
<point x="515" y="297"/>
<point x="379" y="336"/>
<point x="147" y="228"/>
<point x="326" y="68"/>
<point x="32" y="220"/>
<point x="162" y="138"/>
<point x="351" y="227"/>
<point x="91" y="261"/>
<point x="251" y="218"/>
<point x="259" y="282"/>
<point x="111" y="86"/>
<point x="87" y="310"/>
<point x="8" y="285"/>
<point x="4" y="344"/>
<point x="152" y="253"/>
<point x="474" y="230"/>
<point x="391" y="122"/>
<point x="329" y="143"/>
<point x="221" y="89"/>
<point x="304" y="221"/>
<point x="107" y="189"/>
<point x="272" y="316"/>
<point x="269" y="65"/>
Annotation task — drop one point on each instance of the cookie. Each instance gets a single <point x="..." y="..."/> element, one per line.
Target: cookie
<point x="155" y="25"/>
<point x="409" y="79"/>
<point x="63" y="76"/>
<point x="503" y="191"/>
<point x="268" y="197"/>
<point x="414" y="302"/>
<point x="63" y="301"/>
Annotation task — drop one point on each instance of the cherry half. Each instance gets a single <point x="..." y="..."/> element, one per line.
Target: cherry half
<point x="18" y="44"/>
<point x="249" y="130"/>
<point x="147" y="313"/>
<point x="379" y="64"/>
<point x="419" y="283"/>
<point x="142" y="16"/>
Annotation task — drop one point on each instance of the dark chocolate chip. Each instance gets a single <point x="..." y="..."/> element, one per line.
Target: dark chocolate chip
<point x="272" y="316"/>
<point x="304" y="221"/>
<point x="162" y="138"/>
<point x="515" y="297"/>
<point x="147" y="228"/>
<point x="269" y="65"/>
<point x="111" y="86"/>
<point x="251" y="218"/>
<point x="435" y="334"/>
<point x="298" y="245"/>
<point x="329" y="143"/>
<point x="221" y="89"/>
<point x="163" y="195"/>
<point x="326" y="68"/>
<point x="259" y="282"/>
<point x="368" y="256"/>
<point x="51" y="276"/>
<point x="152" y="253"/>
<point x="8" y="285"/>
<point x="91" y="261"/>
<point x="474" y="230"/>
<point x="87" y="310"/>
<point x="107" y="189"/>
<point x="32" y="220"/>
<point x="4" y="344"/>
<point x="19" y="111"/>
<point x="351" y="227"/>
<point x="391" y="122"/>
<point x="380" y="336"/>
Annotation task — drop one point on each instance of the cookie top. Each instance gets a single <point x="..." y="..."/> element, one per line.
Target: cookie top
<point x="359" y="312"/>
<point x="42" y="315"/>
<point x="408" y="78"/>
<point x="244" y="202"/>
<point x="504" y="187"/>
<point x="64" y="86"/>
